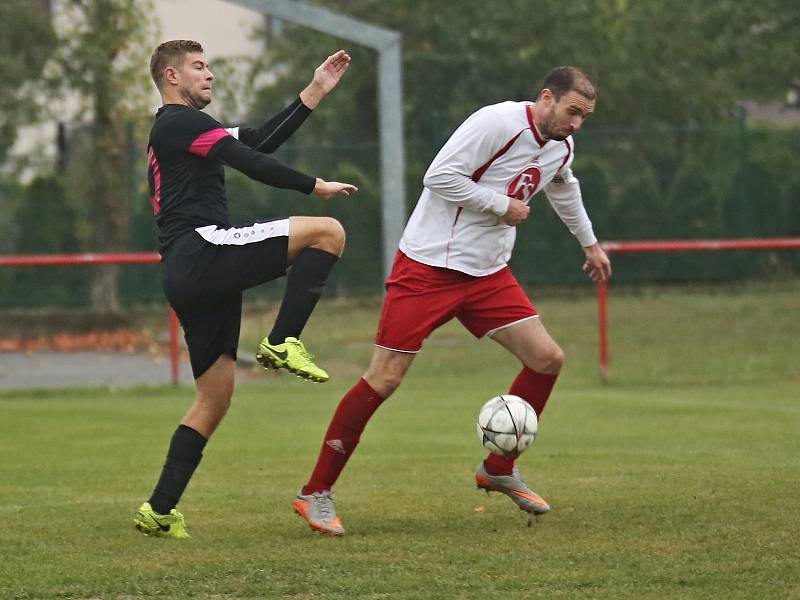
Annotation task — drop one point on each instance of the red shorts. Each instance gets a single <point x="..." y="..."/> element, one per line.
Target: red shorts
<point x="420" y="298"/>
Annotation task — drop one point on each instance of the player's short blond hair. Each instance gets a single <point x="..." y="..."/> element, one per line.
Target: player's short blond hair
<point x="170" y="54"/>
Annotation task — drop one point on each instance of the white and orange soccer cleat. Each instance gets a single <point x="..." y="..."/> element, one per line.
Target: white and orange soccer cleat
<point x="318" y="510"/>
<point x="514" y="487"/>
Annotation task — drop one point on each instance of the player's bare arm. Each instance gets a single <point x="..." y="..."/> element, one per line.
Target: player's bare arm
<point x="326" y="77"/>
<point x="597" y="264"/>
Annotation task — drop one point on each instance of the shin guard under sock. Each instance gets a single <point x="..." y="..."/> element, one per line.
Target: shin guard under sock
<point x="183" y="456"/>
<point x="534" y="388"/>
<point x="344" y="432"/>
<point x="304" y="286"/>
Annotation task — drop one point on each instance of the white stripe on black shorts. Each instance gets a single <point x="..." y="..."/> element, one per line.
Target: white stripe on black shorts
<point x="204" y="274"/>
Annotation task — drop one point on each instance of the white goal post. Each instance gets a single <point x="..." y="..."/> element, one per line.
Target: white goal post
<point x="387" y="43"/>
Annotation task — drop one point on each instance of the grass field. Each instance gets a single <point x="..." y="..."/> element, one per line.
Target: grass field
<point x="678" y="478"/>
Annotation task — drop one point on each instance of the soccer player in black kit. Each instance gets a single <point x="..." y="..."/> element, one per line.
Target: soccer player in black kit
<point x="207" y="262"/>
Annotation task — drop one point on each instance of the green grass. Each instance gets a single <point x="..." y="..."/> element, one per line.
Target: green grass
<point x="676" y="479"/>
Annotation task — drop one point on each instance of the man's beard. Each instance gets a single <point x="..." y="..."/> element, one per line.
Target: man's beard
<point x="197" y="101"/>
<point x="548" y="130"/>
<point x="201" y="102"/>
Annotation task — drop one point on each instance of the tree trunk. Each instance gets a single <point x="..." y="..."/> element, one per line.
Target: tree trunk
<point x="104" y="290"/>
<point x="111" y="192"/>
<point x="110" y="187"/>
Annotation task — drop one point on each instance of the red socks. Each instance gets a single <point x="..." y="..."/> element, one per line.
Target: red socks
<point x="360" y="403"/>
<point x="534" y="388"/>
<point x="344" y="432"/>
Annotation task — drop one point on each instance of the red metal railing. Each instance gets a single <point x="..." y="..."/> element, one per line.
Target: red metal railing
<point x="671" y="246"/>
<point x="121" y="258"/>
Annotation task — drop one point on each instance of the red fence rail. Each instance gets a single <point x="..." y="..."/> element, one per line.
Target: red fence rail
<point x="640" y="246"/>
<point x="119" y="258"/>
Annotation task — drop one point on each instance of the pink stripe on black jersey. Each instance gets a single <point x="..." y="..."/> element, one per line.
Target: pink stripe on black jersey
<point x="154" y="171"/>
<point x="476" y="176"/>
<point x="204" y="142"/>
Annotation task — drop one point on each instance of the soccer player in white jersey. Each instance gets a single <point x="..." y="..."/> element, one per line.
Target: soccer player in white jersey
<point x="452" y="262"/>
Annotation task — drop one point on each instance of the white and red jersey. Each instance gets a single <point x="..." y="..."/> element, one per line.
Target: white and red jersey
<point x="496" y="154"/>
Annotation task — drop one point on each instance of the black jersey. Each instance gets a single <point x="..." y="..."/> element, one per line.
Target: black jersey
<point x="185" y="157"/>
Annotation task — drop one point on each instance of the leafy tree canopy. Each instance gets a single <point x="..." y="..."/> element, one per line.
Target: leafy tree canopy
<point x="654" y="62"/>
<point x="27" y="41"/>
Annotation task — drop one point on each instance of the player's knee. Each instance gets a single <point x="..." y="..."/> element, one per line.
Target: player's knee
<point x="554" y="360"/>
<point x="385" y="382"/>
<point x="332" y="237"/>
<point x="549" y="360"/>
<point x="391" y="382"/>
<point x="218" y="402"/>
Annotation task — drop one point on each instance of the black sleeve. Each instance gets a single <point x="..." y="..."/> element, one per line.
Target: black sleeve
<point x="195" y="132"/>
<point x="277" y="130"/>
<point x="263" y="168"/>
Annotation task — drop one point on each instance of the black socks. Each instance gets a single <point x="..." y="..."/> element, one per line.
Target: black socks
<point x="183" y="456"/>
<point x="304" y="286"/>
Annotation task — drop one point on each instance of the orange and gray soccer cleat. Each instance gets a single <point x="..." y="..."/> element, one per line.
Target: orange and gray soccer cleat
<point x="318" y="510"/>
<point x="512" y="486"/>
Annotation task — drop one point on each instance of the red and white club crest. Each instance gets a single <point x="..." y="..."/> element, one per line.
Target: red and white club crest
<point x="524" y="185"/>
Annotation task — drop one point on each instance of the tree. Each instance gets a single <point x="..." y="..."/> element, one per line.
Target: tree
<point x="102" y="57"/>
<point x="653" y="60"/>
<point x="21" y="63"/>
<point x="669" y="77"/>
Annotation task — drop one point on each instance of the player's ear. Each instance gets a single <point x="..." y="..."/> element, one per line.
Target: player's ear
<point x="171" y="75"/>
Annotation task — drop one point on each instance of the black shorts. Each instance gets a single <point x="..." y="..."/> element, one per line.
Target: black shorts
<point x="204" y="273"/>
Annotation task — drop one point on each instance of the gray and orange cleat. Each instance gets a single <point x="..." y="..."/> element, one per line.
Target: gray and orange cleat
<point x="318" y="510"/>
<point x="512" y="486"/>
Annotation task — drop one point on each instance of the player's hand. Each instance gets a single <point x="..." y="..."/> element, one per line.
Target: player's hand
<point x="597" y="264"/>
<point x="329" y="189"/>
<point x="517" y="212"/>
<point x="326" y="77"/>
<point x="331" y="71"/>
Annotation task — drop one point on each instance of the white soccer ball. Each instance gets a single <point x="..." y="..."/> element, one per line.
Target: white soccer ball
<point x="507" y="425"/>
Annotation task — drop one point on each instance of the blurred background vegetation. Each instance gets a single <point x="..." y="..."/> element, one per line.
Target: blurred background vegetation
<point x="696" y="132"/>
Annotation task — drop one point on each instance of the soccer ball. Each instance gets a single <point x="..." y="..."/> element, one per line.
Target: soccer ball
<point x="507" y="425"/>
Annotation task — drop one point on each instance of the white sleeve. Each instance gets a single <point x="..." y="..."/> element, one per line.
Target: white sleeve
<point x="564" y="195"/>
<point x="471" y="146"/>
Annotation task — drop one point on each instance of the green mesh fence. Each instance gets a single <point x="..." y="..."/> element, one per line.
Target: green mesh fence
<point x="722" y="182"/>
